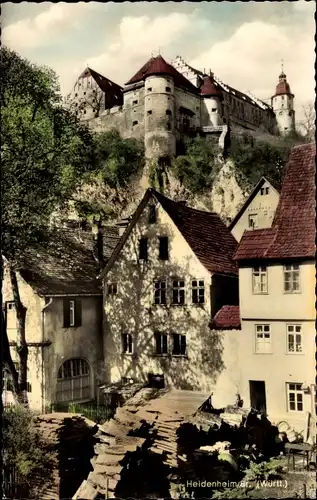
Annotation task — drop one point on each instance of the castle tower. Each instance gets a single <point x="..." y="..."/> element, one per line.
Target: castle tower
<point x="160" y="80"/>
<point x="283" y="105"/>
<point x="212" y="96"/>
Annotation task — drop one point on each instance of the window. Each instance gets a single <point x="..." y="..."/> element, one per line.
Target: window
<point x="135" y="123"/>
<point x="143" y="249"/>
<point x="160" y="292"/>
<point x="112" y="289"/>
<point x="161" y="343"/>
<point x="163" y="248"/>
<point x="179" y="345"/>
<point x="168" y="112"/>
<point x="253" y="221"/>
<point x="152" y="214"/>
<point x="167" y="89"/>
<point x="294" y="339"/>
<point x="291" y="278"/>
<point x="135" y="102"/>
<point x="76" y="95"/>
<point x="84" y="111"/>
<point x="295" y="397"/>
<point x="259" y="279"/>
<point x="262" y="339"/>
<point x="84" y="93"/>
<point x="127" y="343"/>
<point x="198" y="292"/>
<point x="149" y="112"/>
<point x="10" y="306"/>
<point x="73" y="381"/>
<point x="149" y="89"/>
<point x="72" y="313"/>
<point x="178" y="292"/>
<point x="214" y="110"/>
<point x="283" y="98"/>
<point x="264" y="191"/>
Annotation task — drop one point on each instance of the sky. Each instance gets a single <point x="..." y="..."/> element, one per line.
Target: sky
<point x="243" y="43"/>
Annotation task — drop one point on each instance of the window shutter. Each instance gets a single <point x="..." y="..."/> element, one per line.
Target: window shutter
<point x="78" y="315"/>
<point x="66" y="323"/>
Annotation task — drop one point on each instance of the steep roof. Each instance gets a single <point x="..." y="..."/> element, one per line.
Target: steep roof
<point x="227" y="318"/>
<point x="109" y="87"/>
<point x="205" y="233"/>
<point x="158" y="66"/>
<point x="210" y="88"/>
<point x="64" y="263"/>
<point x="249" y="200"/>
<point x="283" y="86"/>
<point x="293" y="231"/>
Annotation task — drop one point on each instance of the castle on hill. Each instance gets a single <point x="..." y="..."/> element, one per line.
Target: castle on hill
<point x="163" y="102"/>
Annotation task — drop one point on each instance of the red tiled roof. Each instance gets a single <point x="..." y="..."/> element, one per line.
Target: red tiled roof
<point x="293" y="230"/>
<point x="206" y="234"/>
<point x="158" y="66"/>
<point x="227" y="318"/>
<point x="282" y="87"/>
<point x="209" y="88"/>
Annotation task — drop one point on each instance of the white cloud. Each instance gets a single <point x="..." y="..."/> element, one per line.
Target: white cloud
<point x="251" y="59"/>
<point x="137" y="38"/>
<point x="30" y="33"/>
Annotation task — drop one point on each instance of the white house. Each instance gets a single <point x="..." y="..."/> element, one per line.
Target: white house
<point x="63" y="299"/>
<point x="258" y="210"/>
<point x="169" y="275"/>
<point x="277" y="301"/>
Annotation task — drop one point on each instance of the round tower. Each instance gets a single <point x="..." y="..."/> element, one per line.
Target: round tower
<point x="283" y="105"/>
<point x="212" y="95"/>
<point x="159" y="117"/>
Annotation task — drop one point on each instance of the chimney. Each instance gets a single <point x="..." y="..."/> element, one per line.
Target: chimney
<point x="122" y="225"/>
<point x="98" y="241"/>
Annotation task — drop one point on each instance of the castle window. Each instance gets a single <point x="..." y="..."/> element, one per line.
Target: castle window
<point x="168" y="112"/>
<point x="179" y="345"/>
<point x="161" y="343"/>
<point x="84" y="93"/>
<point x="149" y="112"/>
<point x="135" y="102"/>
<point x="159" y="292"/>
<point x="285" y="128"/>
<point x="84" y="111"/>
<point x="72" y="313"/>
<point x="152" y="214"/>
<point x="134" y="123"/>
<point x="198" y="291"/>
<point x="143" y="249"/>
<point x="149" y="89"/>
<point x="76" y="95"/>
<point x="290" y="113"/>
<point x="167" y="89"/>
<point x="283" y="98"/>
<point x="214" y="110"/>
<point x="178" y="292"/>
<point x="163" y="248"/>
<point x="127" y="343"/>
<point x="112" y="288"/>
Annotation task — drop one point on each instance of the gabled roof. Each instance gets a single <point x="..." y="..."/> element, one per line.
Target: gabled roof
<point x="293" y="231"/>
<point x="65" y="263"/>
<point x="158" y="66"/>
<point x="205" y="233"/>
<point x="113" y="91"/>
<point x="227" y="318"/>
<point x="250" y="199"/>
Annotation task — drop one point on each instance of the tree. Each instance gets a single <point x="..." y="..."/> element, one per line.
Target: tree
<point x="307" y="125"/>
<point x="45" y="151"/>
<point x="197" y="165"/>
<point x="107" y="189"/>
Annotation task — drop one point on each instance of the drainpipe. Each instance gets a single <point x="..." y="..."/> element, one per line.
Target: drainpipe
<point x="42" y="349"/>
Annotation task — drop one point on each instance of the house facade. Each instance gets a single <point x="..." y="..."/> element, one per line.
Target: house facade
<point x="277" y="301"/>
<point x="63" y="300"/>
<point x="169" y="275"/>
<point x="258" y="210"/>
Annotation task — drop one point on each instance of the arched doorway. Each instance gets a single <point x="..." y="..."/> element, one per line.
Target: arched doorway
<point x="73" y="381"/>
